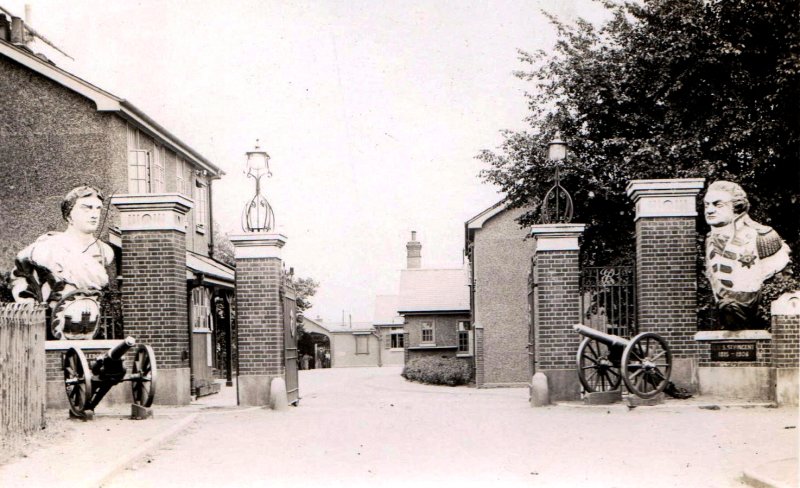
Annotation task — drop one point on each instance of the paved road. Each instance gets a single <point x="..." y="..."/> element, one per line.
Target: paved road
<point x="369" y="427"/>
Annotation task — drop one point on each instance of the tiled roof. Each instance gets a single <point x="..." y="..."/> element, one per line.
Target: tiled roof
<point x="386" y="310"/>
<point x="433" y="290"/>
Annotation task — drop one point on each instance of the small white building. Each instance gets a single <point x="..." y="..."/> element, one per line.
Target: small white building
<point x="389" y="326"/>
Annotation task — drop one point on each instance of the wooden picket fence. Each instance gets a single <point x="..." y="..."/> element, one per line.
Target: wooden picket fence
<point x="22" y="368"/>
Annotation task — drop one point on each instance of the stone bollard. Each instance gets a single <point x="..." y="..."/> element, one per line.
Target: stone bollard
<point x="540" y="392"/>
<point x="278" y="399"/>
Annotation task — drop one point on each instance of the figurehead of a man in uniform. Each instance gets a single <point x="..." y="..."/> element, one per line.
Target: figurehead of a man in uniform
<point x="66" y="270"/>
<point x="740" y="255"/>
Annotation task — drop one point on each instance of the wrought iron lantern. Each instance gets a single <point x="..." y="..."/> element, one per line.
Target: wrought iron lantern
<point x="258" y="215"/>
<point x="557" y="202"/>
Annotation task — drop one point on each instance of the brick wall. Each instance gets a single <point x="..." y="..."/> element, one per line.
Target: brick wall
<point x="445" y="328"/>
<point x="558" y="299"/>
<point x="786" y="341"/>
<point x="480" y="378"/>
<point x="666" y="278"/>
<point x="260" y="316"/>
<point x="405" y="349"/>
<point x="439" y="353"/>
<point x="154" y="293"/>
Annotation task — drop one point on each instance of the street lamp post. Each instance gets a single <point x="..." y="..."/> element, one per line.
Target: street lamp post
<point x="258" y="215"/>
<point x="557" y="202"/>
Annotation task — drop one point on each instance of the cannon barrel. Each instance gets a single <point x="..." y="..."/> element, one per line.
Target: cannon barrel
<point x="612" y="341"/>
<point x="120" y="349"/>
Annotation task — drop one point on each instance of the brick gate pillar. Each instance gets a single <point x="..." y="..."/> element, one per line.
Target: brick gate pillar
<point x="557" y="307"/>
<point x="785" y="353"/>
<point x="666" y="267"/>
<point x="259" y="315"/>
<point x="154" y="285"/>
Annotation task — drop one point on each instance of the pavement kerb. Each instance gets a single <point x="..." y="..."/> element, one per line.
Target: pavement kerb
<point x="757" y="481"/>
<point x="105" y="475"/>
<point x="756" y="478"/>
<point x="670" y="405"/>
<point x="123" y="462"/>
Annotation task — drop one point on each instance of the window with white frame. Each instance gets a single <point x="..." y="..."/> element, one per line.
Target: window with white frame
<point x="427" y="333"/>
<point x="201" y="310"/>
<point x="138" y="171"/>
<point x="180" y="178"/>
<point x="396" y="338"/>
<point x="464" y="338"/>
<point x="145" y="167"/>
<point x="157" y="170"/>
<point x="201" y="207"/>
<point x="362" y="344"/>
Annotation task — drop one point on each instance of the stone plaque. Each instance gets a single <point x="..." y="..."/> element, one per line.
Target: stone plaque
<point x="733" y="351"/>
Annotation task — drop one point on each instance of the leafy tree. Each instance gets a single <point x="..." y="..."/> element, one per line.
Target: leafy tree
<point x="663" y="89"/>
<point x="223" y="247"/>
<point x="305" y="289"/>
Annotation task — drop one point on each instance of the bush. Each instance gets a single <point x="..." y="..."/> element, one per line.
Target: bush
<point x="438" y="370"/>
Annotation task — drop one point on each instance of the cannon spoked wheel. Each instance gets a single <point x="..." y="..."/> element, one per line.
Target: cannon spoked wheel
<point x="646" y="365"/>
<point x="143" y="376"/>
<point x="596" y="370"/>
<point x="77" y="381"/>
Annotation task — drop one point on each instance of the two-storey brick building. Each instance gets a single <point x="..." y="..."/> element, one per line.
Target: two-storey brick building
<point x="58" y="131"/>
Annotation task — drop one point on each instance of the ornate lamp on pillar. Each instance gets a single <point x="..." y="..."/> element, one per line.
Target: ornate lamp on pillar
<point x="555" y="270"/>
<point x="258" y="215"/>
<point x="262" y="373"/>
<point x="557" y="203"/>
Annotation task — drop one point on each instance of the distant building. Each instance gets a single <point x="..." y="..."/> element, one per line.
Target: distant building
<point x="434" y="304"/>
<point x="499" y="261"/>
<point x="352" y="345"/>
<point x="389" y="326"/>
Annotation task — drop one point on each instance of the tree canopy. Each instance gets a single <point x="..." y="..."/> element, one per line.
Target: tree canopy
<point x="305" y="289"/>
<point x="663" y="89"/>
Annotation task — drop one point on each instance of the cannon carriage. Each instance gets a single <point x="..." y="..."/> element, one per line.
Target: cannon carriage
<point x="604" y="361"/>
<point x="87" y="385"/>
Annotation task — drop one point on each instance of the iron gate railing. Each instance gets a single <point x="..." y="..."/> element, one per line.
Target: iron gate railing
<point x="608" y="299"/>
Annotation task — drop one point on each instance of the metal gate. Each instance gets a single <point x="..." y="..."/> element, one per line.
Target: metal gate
<point x="290" y="344"/>
<point x="608" y="299"/>
<point x="532" y="317"/>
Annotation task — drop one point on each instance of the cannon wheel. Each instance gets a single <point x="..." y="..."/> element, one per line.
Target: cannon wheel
<point x="143" y="386"/>
<point x="596" y="371"/>
<point x="77" y="381"/>
<point x="646" y="365"/>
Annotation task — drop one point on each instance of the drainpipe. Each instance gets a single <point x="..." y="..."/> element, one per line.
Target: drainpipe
<point x="210" y="220"/>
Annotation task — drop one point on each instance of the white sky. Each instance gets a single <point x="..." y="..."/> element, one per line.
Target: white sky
<point x="371" y="111"/>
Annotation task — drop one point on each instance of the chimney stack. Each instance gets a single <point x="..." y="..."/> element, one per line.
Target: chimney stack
<point x="5" y="28"/>
<point x="414" y="252"/>
<point x="17" y="32"/>
<point x="29" y="39"/>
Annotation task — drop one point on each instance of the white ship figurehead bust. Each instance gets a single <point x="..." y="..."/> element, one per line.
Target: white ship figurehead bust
<point x="66" y="270"/>
<point x="741" y="255"/>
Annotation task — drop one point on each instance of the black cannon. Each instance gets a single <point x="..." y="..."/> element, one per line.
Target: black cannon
<point x="87" y="386"/>
<point x="644" y="363"/>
